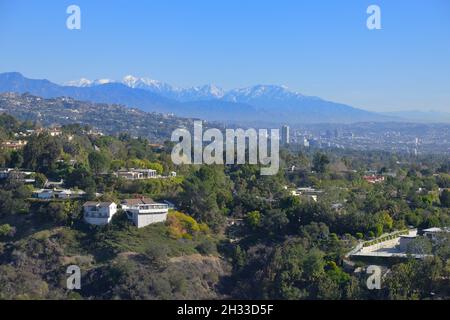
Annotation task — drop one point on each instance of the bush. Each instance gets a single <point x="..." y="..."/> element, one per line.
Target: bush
<point x="207" y="247"/>
<point x="7" y="231"/>
<point x="184" y="226"/>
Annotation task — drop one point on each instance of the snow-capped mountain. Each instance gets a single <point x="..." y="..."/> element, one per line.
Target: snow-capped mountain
<point x="147" y="84"/>
<point x="83" y="82"/>
<point x="263" y="95"/>
<point x="206" y="92"/>
<point x="260" y="103"/>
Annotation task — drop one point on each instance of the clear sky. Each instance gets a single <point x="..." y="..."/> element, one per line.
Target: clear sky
<point x="317" y="47"/>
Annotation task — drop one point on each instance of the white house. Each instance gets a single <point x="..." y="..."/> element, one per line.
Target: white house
<point x="309" y="193"/>
<point x="137" y="174"/>
<point x="145" y="211"/>
<point x="48" y="194"/>
<point x="44" y="194"/>
<point x="434" y="233"/>
<point x="99" y="213"/>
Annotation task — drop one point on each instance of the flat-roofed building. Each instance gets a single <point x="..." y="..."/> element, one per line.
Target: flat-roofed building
<point x="137" y="174"/>
<point x="144" y="211"/>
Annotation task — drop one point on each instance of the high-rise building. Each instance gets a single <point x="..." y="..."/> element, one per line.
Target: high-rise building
<point x="285" y="139"/>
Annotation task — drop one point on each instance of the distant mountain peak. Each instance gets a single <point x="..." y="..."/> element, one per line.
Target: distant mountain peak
<point x="83" y="82"/>
<point x="255" y="103"/>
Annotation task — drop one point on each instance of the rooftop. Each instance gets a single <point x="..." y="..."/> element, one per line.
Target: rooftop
<point x="97" y="204"/>
<point x="137" y="201"/>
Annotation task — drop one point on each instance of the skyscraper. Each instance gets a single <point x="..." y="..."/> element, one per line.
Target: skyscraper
<point x="285" y="138"/>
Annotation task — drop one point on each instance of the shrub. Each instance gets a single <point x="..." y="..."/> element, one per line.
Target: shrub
<point x="207" y="247"/>
<point x="184" y="226"/>
<point x="7" y="231"/>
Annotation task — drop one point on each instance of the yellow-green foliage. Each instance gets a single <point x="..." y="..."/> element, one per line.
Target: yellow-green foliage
<point x="181" y="225"/>
<point x="138" y="163"/>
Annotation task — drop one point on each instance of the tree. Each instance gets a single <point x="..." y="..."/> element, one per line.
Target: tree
<point x="99" y="162"/>
<point x="292" y="270"/>
<point x="275" y="222"/>
<point x="206" y="194"/>
<point x="61" y="212"/>
<point x="41" y="153"/>
<point x="16" y="159"/>
<point x="320" y="163"/>
<point x="445" y="198"/>
<point x="40" y="180"/>
<point x="156" y="166"/>
<point x="419" y="245"/>
<point x="253" y="219"/>
<point x="81" y="177"/>
<point x="11" y="202"/>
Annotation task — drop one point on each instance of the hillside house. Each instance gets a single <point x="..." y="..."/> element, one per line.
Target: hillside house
<point x="309" y="193"/>
<point x="19" y="175"/>
<point x="99" y="213"/>
<point x="374" y="178"/>
<point x="14" y="145"/>
<point x="144" y="211"/>
<point x="48" y="194"/>
<point x="137" y="174"/>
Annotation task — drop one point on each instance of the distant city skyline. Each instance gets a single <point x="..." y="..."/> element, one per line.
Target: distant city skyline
<point x="317" y="48"/>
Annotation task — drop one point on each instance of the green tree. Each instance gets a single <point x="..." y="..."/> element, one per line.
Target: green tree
<point x="40" y="180"/>
<point x="445" y="198"/>
<point x="253" y="219"/>
<point x="420" y="245"/>
<point x="41" y="153"/>
<point x="99" y="162"/>
<point x="206" y="194"/>
<point x="320" y="162"/>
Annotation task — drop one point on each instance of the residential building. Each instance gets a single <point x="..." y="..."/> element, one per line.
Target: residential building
<point x="48" y="194"/>
<point x="53" y="184"/>
<point x="14" y="144"/>
<point x="18" y="175"/>
<point x="144" y="211"/>
<point x="374" y="178"/>
<point x="99" y="213"/>
<point x="55" y="132"/>
<point x="137" y="174"/>
<point x="307" y="192"/>
<point x="434" y="233"/>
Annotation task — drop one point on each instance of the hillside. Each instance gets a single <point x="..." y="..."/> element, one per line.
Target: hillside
<point x="108" y="118"/>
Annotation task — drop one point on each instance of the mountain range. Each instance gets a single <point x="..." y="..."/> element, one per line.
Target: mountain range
<point x="257" y="104"/>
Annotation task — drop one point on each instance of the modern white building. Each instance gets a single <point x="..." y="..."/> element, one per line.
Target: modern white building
<point x="99" y="213"/>
<point x="145" y="211"/>
<point x="48" y="194"/>
<point x="137" y="174"/>
<point x="307" y="192"/>
<point x="434" y="233"/>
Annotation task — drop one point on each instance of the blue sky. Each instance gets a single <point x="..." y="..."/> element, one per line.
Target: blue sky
<point x="319" y="47"/>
